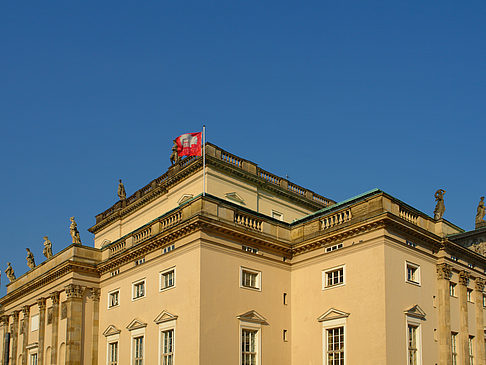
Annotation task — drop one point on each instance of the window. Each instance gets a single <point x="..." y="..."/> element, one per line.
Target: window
<point x="285" y="298"/>
<point x="334" y="248"/>
<point x="138" y="289"/>
<point x="454" y="348"/>
<point x="114" y="298"/>
<point x="249" y="346"/>
<point x="412" y="273"/>
<point x="484" y="300"/>
<point x="284" y="335"/>
<point x="335" y="346"/>
<point x="167" y="279"/>
<point x="250" y="279"/>
<point x="139" y="261"/>
<point x="113" y="353"/>
<point x="333" y="277"/>
<point x="33" y="359"/>
<point x="167" y="347"/>
<point x="138" y="350"/>
<point x="334" y="336"/>
<point x="452" y="289"/>
<point x="471" y="350"/>
<point x="412" y="345"/>
<point x="469" y="295"/>
<point x="249" y="249"/>
<point x="34" y="323"/>
<point x="277" y="215"/>
<point x="168" y="249"/>
<point x="115" y="272"/>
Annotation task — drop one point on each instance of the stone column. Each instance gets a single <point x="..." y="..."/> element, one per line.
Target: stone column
<point x="15" y="336"/>
<point x="74" y="326"/>
<point x="54" y="326"/>
<point x="4" y="322"/>
<point x="42" y="329"/>
<point x="95" y="295"/>
<point x="480" y="355"/>
<point x="464" y="325"/>
<point x="444" y="273"/>
<point x="25" y="332"/>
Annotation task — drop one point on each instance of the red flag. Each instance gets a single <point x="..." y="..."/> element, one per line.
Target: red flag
<point x="189" y="144"/>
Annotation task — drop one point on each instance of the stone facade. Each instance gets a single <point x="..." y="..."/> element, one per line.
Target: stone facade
<point x="257" y="268"/>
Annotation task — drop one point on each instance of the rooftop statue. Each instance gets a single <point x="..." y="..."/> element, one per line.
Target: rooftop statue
<point x="440" y="207"/>
<point x="10" y="272"/>
<point x="73" y="229"/>
<point x="480" y="214"/>
<point x="174" y="156"/>
<point x="121" y="191"/>
<point x="47" y="248"/>
<point x="30" y="259"/>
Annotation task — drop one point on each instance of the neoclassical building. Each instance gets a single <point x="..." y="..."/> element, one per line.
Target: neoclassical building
<point x="257" y="270"/>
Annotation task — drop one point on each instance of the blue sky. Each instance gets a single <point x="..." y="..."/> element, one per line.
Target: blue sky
<point x="341" y="96"/>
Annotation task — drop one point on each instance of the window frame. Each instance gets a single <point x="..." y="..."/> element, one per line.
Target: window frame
<point x="418" y="273"/>
<point x="144" y="281"/>
<point x="113" y="340"/>
<point x="469" y="295"/>
<point x="417" y="323"/>
<point x="161" y="279"/>
<point x="454" y="353"/>
<point x="34" y="320"/>
<point x="258" y="281"/>
<point x="249" y="326"/>
<point x="452" y="289"/>
<point x="277" y="215"/>
<point x="333" y="269"/>
<point x="164" y="327"/>
<point x="329" y="325"/>
<point x="471" y="347"/>
<point x="139" y="333"/>
<point x="109" y="306"/>
<point x="33" y="355"/>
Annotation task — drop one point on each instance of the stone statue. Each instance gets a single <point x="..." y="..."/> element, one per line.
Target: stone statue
<point x="47" y="248"/>
<point x="174" y="156"/>
<point x="440" y="207"/>
<point x="480" y="214"/>
<point x="10" y="272"/>
<point x="121" y="191"/>
<point x="479" y="248"/>
<point x="30" y="259"/>
<point x="73" y="229"/>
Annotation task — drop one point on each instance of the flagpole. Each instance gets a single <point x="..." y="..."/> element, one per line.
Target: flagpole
<point x="204" y="159"/>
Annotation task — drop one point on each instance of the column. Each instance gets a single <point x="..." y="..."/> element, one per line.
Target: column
<point x="444" y="273"/>
<point x="464" y="326"/>
<point x="42" y="329"/>
<point x="54" y="326"/>
<point x="4" y="322"/>
<point x="478" y="300"/>
<point x="25" y="331"/>
<point x="15" y="336"/>
<point x="95" y="295"/>
<point x="74" y="325"/>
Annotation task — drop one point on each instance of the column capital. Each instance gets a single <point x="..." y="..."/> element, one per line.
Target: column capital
<point x="95" y="294"/>
<point x="480" y="283"/>
<point x="55" y="297"/>
<point x="4" y="320"/>
<point x="464" y="277"/>
<point x="74" y="291"/>
<point x="15" y="315"/>
<point x="26" y="310"/>
<point x="41" y="302"/>
<point x="444" y="271"/>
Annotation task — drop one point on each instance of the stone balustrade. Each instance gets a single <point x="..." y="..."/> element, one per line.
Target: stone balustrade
<point x="408" y="216"/>
<point x="336" y="219"/>
<point x="142" y="235"/>
<point x="248" y="221"/>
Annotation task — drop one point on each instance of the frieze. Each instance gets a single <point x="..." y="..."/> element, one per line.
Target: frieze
<point x="464" y="277"/>
<point x="444" y="271"/>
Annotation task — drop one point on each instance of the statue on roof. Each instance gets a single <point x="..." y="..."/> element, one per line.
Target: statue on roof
<point x="47" y="248"/>
<point x="480" y="214"/>
<point x="30" y="259"/>
<point x="440" y="207"/>
<point x="174" y="156"/>
<point x="10" y="272"/>
<point x="73" y="229"/>
<point x="121" y="191"/>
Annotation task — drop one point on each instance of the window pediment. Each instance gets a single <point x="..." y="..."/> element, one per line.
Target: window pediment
<point x="111" y="330"/>
<point x="416" y="312"/>
<point x="331" y="314"/>
<point x="234" y="197"/>
<point x="253" y="317"/>
<point x="136" y="324"/>
<point x="184" y="198"/>
<point x="165" y="316"/>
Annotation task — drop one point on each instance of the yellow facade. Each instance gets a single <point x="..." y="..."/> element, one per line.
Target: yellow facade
<point x="256" y="271"/>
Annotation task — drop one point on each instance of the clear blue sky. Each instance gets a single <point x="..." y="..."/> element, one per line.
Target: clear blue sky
<point x="341" y="96"/>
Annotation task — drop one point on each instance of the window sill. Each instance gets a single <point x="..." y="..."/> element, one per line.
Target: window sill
<point x="333" y="286"/>
<point x="168" y="288"/>
<point x="138" y="298"/>
<point x="250" y="288"/>
<point x="413" y="283"/>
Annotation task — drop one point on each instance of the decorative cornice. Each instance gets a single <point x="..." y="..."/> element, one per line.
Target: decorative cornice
<point x="464" y="277"/>
<point x="444" y="271"/>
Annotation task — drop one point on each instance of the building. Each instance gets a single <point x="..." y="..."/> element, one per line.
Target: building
<point x="256" y="271"/>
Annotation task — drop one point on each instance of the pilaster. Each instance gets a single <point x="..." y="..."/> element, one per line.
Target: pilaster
<point x="444" y="273"/>
<point x="4" y="322"/>
<point x="42" y="329"/>
<point x="74" y="335"/>
<point x="480" y="351"/>
<point x="54" y="327"/>
<point x="15" y="336"/>
<point x="25" y="333"/>
<point x="95" y="296"/>
<point x="463" y="314"/>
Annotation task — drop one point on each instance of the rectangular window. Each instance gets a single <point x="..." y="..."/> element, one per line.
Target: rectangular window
<point x="484" y="300"/>
<point x="249" y="347"/>
<point x="334" y="247"/>
<point x="33" y="359"/>
<point x="454" y="348"/>
<point x="412" y="345"/>
<point x="168" y="347"/>
<point x="469" y="295"/>
<point x="138" y="350"/>
<point x="138" y="290"/>
<point x="250" y="278"/>
<point x="113" y="353"/>
<point x="285" y="298"/>
<point x="333" y="277"/>
<point x="413" y="273"/>
<point x="249" y="249"/>
<point x="167" y="279"/>
<point x="113" y="299"/>
<point x="452" y="289"/>
<point x="140" y="261"/>
<point x="34" y="323"/>
<point x="335" y="346"/>
<point x="285" y="335"/>
<point x="471" y="350"/>
<point x="277" y="215"/>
